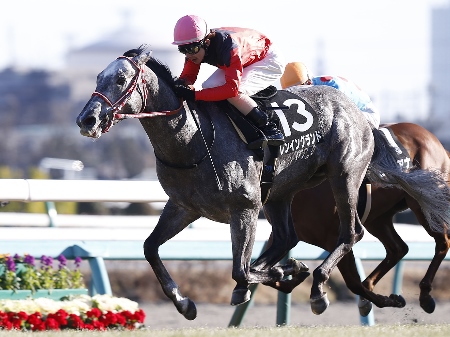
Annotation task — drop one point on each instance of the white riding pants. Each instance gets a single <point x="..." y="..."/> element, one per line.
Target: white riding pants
<point x="255" y="77"/>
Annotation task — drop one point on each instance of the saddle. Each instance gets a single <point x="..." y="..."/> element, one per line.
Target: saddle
<point x="245" y="129"/>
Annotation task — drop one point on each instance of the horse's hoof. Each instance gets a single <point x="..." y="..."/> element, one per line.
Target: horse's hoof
<point x="319" y="305"/>
<point x="364" y="306"/>
<point x="276" y="272"/>
<point x="191" y="311"/>
<point x="298" y="266"/>
<point x="428" y="304"/>
<point x="187" y="308"/>
<point x="398" y="299"/>
<point x="240" y="296"/>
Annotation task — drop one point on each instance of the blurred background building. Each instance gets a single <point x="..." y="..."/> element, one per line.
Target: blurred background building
<point x="440" y="72"/>
<point x="83" y="64"/>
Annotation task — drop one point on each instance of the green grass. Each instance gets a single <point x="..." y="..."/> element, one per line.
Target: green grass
<point x="415" y="330"/>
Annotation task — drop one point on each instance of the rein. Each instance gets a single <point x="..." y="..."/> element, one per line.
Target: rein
<point x="208" y="149"/>
<point x="117" y="106"/>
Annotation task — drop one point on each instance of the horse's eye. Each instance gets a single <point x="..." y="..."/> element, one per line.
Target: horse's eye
<point x="121" y="80"/>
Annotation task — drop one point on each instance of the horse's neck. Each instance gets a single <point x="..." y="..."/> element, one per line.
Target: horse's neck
<point x="175" y="138"/>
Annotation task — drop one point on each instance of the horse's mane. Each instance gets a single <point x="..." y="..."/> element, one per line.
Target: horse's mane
<point x="161" y="69"/>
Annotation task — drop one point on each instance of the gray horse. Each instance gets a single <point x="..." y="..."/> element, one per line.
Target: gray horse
<point x="207" y="171"/>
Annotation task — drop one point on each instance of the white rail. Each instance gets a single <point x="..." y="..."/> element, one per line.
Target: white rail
<point x="27" y="190"/>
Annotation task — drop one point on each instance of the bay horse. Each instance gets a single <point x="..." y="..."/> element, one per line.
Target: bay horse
<point x="316" y="221"/>
<point x="207" y="171"/>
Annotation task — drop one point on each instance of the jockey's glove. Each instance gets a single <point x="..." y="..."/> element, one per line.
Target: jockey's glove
<point x="180" y="81"/>
<point x="185" y="92"/>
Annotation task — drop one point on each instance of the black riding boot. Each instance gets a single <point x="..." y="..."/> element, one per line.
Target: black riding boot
<point x="273" y="136"/>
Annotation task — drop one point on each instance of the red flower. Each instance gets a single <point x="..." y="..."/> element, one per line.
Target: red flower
<point x="16" y="320"/>
<point x="4" y="320"/>
<point x="98" y="325"/>
<point x="94" y="313"/>
<point x="121" y="320"/>
<point x="34" y="321"/>
<point x="127" y="314"/>
<point x="39" y="326"/>
<point x="61" y="319"/>
<point x="139" y="316"/>
<point x="7" y="325"/>
<point x="17" y="324"/>
<point x="130" y="326"/>
<point x="34" y="317"/>
<point x="88" y="327"/>
<point x="108" y="319"/>
<point x="22" y="315"/>
<point x="75" y="322"/>
<point x="51" y="324"/>
<point x="60" y="316"/>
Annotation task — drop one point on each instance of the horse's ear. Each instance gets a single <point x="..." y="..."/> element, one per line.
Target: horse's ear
<point x="142" y="58"/>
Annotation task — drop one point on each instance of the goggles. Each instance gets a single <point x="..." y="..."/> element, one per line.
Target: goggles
<point x="191" y="48"/>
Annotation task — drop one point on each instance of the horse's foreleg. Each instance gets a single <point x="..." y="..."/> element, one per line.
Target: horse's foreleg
<point x="173" y="220"/>
<point x="243" y="229"/>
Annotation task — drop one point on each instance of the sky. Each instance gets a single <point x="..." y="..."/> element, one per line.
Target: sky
<point x="379" y="44"/>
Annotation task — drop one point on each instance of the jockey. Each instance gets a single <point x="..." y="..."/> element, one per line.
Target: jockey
<point x="247" y="62"/>
<point x="296" y="73"/>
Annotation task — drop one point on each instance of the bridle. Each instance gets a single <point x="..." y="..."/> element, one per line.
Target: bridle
<point x="116" y="116"/>
<point x="117" y="106"/>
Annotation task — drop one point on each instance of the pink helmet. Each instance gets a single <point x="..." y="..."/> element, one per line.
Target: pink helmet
<point x="189" y="28"/>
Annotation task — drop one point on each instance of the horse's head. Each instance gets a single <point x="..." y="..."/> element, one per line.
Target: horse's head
<point x="120" y="87"/>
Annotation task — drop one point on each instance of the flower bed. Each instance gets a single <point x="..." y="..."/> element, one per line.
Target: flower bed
<point x="21" y="273"/>
<point x="99" y="312"/>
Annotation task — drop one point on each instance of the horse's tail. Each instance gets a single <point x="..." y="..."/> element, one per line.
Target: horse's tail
<point x="427" y="187"/>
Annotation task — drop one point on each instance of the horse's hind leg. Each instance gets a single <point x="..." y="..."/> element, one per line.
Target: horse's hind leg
<point x="287" y="285"/>
<point x="347" y="267"/>
<point x="442" y="246"/>
<point x="382" y="227"/>
<point x="440" y="251"/>
<point x="345" y="193"/>
<point x="173" y="220"/>
<point x="284" y="238"/>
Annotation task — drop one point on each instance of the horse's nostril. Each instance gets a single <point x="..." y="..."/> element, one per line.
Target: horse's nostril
<point x="87" y="122"/>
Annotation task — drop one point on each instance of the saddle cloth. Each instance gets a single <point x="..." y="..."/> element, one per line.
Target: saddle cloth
<point x="298" y="122"/>
<point x="403" y="160"/>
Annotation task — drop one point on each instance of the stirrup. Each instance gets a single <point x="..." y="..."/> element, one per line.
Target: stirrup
<point x="275" y="142"/>
<point x="275" y="139"/>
